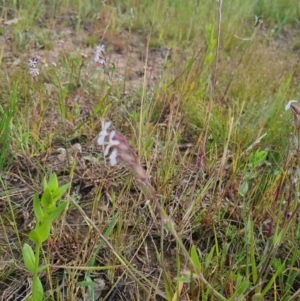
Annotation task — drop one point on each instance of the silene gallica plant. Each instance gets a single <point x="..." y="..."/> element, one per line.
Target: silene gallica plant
<point x="121" y="151"/>
<point x="46" y="211"/>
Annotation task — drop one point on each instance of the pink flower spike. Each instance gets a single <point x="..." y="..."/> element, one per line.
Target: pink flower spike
<point x="123" y="144"/>
<point x="113" y="157"/>
<point x="103" y="133"/>
<point x="111" y="142"/>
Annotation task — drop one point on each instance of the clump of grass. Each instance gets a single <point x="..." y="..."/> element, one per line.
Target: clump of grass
<point x="279" y="14"/>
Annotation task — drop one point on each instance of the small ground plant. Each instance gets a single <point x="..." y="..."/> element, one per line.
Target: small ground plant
<point x="46" y="212"/>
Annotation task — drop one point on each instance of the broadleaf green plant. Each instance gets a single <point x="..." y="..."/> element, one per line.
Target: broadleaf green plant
<point x="255" y="160"/>
<point x="46" y="212"/>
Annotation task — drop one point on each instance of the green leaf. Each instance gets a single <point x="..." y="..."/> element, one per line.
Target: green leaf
<point x="60" y="192"/>
<point x="47" y="199"/>
<point x="63" y="189"/>
<point x="56" y="213"/>
<point x="258" y="297"/>
<point x="185" y="279"/>
<point x="45" y="184"/>
<point x="209" y="257"/>
<point x="272" y="280"/>
<point x="41" y="232"/>
<point x="35" y="236"/>
<point x="44" y="230"/>
<point x="90" y="285"/>
<point x="244" y="285"/>
<point x="244" y="188"/>
<point x="38" y="211"/>
<point x="53" y="182"/>
<point x="195" y="259"/>
<point x="42" y="268"/>
<point x="28" y="257"/>
<point x="87" y="283"/>
<point x="38" y="294"/>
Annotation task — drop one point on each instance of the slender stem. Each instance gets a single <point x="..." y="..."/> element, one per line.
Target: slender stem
<point x="35" y="292"/>
<point x="214" y="81"/>
<point x="298" y="138"/>
<point x="141" y="124"/>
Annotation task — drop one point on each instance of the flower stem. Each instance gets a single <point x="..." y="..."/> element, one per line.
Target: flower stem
<point x="35" y="290"/>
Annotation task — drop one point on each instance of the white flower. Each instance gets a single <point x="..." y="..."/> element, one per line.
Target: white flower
<point x="288" y="105"/>
<point x="104" y="132"/>
<point x="100" y="48"/>
<point x="100" y="55"/>
<point x="96" y="59"/>
<point x="34" y="72"/>
<point x="32" y="63"/>
<point x="111" y="142"/>
<point x="113" y="157"/>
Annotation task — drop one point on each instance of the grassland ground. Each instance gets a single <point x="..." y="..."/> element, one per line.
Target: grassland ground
<point x="204" y="111"/>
